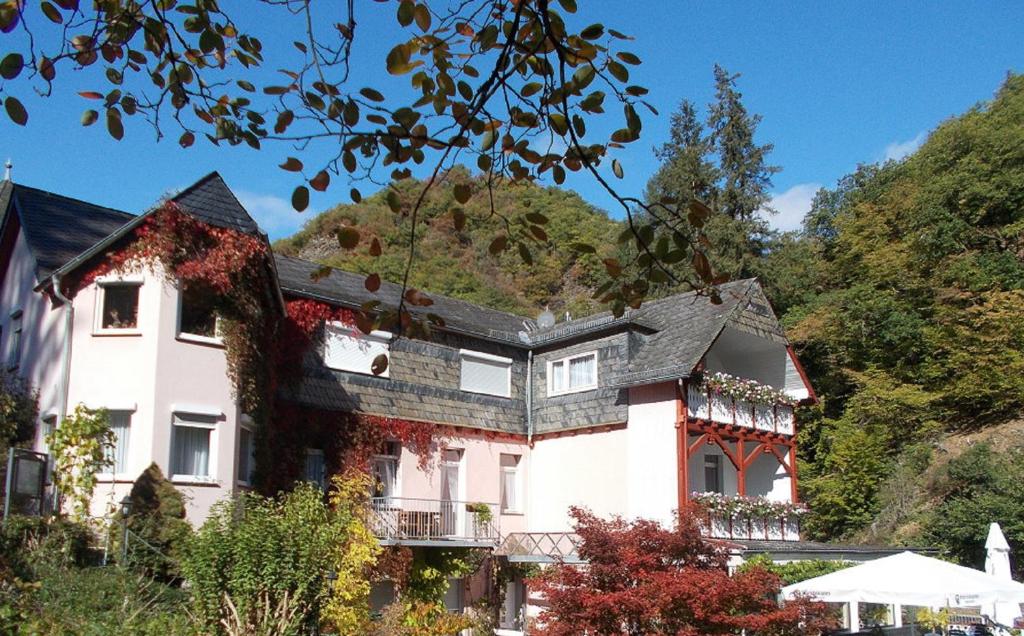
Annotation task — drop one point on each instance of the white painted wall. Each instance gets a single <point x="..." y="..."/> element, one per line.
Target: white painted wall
<point x="152" y="372"/>
<point x="696" y="467"/>
<point x="766" y="477"/>
<point x="42" y="329"/>
<point x="589" y="469"/>
<point x="651" y="453"/>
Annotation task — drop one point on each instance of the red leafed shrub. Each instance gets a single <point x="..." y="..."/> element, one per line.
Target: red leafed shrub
<point x="640" y="578"/>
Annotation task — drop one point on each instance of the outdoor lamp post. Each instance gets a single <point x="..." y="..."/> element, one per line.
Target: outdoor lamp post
<point x="126" y="509"/>
<point x="332" y="576"/>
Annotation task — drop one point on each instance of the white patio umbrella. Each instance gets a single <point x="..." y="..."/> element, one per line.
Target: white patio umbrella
<point x="909" y="579"/>
<point x="997" y="564"/>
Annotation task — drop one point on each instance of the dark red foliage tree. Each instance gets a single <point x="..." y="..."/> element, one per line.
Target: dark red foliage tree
<point x="641" y="578"/>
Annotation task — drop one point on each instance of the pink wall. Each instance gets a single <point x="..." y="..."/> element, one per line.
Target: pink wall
<point x="480" y="473"/>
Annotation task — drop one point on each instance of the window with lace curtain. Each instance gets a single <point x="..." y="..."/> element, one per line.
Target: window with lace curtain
<point x="117" y="455"/>
<point x="510" y="488"/>
<point x="191" y="441"/>
<point x="385" y="470"/>
<point x="573" y="373"/>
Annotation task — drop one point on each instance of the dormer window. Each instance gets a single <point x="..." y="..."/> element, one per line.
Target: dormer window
<point x="572" y="374"/>
<point x="118" y="305"/>
<point x="197" y="317"/>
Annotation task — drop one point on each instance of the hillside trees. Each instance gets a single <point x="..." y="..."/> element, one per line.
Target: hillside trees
<point x="916" y="327"/>
<point x="510" y="87"/>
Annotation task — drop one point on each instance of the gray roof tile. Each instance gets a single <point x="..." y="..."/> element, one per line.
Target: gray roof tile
<point x="58" y="228"/>
<point x="211" y="201"/>
<point x="346" y="288"/>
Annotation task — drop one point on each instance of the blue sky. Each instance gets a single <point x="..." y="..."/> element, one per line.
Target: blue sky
<point x="837" y="83"/>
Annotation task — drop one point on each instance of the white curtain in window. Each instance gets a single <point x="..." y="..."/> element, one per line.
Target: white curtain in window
<point x="582" y="371"/>
<point x="558" y="376"/>
<point x="190" y="454"/>
<point x="120" y="425"/>
<point x="509" y="496"/>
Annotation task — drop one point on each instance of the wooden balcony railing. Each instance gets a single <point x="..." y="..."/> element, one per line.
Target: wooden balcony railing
<point x="715" y="407"/>
<point x="405" y="518"/>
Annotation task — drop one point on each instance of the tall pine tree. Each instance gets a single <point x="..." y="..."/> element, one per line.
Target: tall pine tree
<point x="720" y="164"/>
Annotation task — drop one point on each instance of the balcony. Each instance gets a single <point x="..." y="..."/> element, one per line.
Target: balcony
<point x="712" y="406"/>
<point x="435" y="522"/>
<point x="750" y="518"/>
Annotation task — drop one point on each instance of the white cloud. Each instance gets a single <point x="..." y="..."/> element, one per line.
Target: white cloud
<point x="792" y="205"/>
<point x="900" y="149"/>
<point x="275" y="215"/>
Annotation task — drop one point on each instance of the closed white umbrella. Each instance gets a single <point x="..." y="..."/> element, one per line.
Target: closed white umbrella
<point x="997" y="564"/>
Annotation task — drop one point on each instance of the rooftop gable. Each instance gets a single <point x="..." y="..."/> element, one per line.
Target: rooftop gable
<point x="57" y="228"/>
<point x="210" y="200"/>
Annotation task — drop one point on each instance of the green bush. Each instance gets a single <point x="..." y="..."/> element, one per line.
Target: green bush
<point x="156" y="517"/>
<point x="29" y="543"/>
<point x="795" y="571"/>
<point x="262" y="564"/>
<point x="94" y="601"/>
<point x="19" y="409"/>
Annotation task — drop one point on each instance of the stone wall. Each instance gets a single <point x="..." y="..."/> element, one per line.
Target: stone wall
<point x="604" y="405"/>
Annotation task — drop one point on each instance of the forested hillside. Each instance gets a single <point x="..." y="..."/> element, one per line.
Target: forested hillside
<point x="452" y="243"/>
<point x="905" y="298"/>
<point x="903" y="294"/>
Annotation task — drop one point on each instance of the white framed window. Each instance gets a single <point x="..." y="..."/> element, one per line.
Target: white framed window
<point x="713" y="474"/>
<point x="315" y="469"/>
<point x="192" y="438"/>
<point x="118" y="454"/>
<point x="510" y="483"/>
<point x="49" y="425"/>
<point x="118" y="305"/>
<point x="385" y="470"/>
<point x="485" y="373"/>
<point x="572" y="374"/>
<point x="347" y="349"/>
<point x="197" y="316"/>
<point x="14" y="343"/>
<point x="246" y="462"/>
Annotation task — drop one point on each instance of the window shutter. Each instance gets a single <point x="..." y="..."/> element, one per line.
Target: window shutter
<point x="482" y="375"/>
<point x="348" y="351"/>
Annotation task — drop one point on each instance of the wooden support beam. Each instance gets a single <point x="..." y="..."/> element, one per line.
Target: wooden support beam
<point x="682" y="450"/>
<point x="741" y="470"/>
<point x="695" y="446"/>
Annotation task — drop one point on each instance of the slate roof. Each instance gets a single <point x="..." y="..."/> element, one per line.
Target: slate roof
<point x="684" y="327"/>
<point x="58" y="228"/>
<point x="345" y="288"/>
<point x="211" y="200"/>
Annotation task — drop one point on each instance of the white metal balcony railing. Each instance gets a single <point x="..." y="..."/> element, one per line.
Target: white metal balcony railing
<point x="720" y="526"/>
<point x="715" y="407"/>
<point x="411" y="519"/>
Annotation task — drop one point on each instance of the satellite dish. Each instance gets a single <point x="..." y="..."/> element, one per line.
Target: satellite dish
<point x="546" y="319"/>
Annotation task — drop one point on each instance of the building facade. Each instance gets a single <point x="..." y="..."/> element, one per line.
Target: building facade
<point x="633" y="415"/>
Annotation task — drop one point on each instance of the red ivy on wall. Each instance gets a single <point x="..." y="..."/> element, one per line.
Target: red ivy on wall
<point x="262" y="347"/>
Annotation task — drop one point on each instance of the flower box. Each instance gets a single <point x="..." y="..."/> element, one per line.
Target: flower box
<point x="721" y="527"/>
<point x="744" y="413"/>
<point x="775" y="529"/>
<point x="721" y="408"/>
<point x="757" y="528"/>
<point x="785" y="419"/>
<point x="791" y="530"/>
<point x="764" y="417"/>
